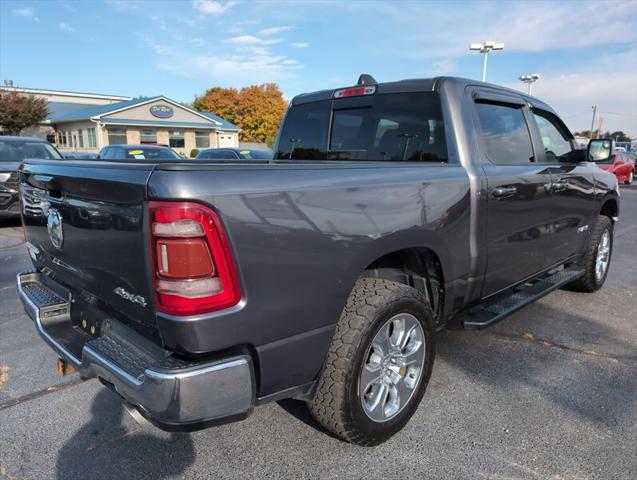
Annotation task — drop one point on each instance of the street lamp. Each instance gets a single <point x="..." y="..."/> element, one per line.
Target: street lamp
<point x="529" y="79"/>
<point x="485" y="48"/>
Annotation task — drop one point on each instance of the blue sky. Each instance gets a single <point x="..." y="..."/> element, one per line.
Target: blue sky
<point x="586" y="52"/>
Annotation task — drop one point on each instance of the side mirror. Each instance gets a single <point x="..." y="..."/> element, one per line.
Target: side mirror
<point x="600" y="150"/>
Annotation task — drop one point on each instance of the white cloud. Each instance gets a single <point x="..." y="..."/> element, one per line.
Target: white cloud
<point x="300" y="44"/>
<point x="521" y="26"/>
<point x="198" y="42"/>
<point x="187" y="21"/>
<point x="231" y="69"/>
<point x="211" y="7"/>
<point x="274" y="30"/>
<point x="252" y="40"/>
<point x="70" y="8"/>
<point x="122" y="5"/>
<point x="159" y="48"/>
<point x="26" y="12"/>
<point x="159" y="21"/>
<point x="573" y="94"/>
<point x="444" y="67"/>
<point x="65" y="27"/>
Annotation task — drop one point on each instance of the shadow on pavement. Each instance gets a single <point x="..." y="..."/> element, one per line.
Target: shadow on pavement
<point x="579" y="381"/>
<point x="104" y="448"/>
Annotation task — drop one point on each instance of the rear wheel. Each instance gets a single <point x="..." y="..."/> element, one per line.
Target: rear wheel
<point x="597" y="257"/>
<point x="378" y="365"/>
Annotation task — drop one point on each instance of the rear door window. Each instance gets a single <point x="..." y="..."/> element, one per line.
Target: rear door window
<point x="505" y="134"/>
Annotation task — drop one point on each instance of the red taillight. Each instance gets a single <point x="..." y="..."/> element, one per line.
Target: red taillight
<point x="192" y="263"/>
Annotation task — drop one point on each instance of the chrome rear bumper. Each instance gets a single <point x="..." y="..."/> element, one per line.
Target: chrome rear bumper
<point x="171" y="394"/>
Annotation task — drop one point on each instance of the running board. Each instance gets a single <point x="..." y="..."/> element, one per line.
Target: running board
<point x="492" y="311"/>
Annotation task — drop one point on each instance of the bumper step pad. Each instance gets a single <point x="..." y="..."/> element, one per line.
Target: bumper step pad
<point x="173" y="394"/>
<point x="495" y="310"/>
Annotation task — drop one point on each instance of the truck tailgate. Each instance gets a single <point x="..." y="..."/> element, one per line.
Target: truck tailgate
<point x="86" y="226"/>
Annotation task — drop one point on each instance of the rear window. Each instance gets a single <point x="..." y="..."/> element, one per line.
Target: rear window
<point x="18" y="150"/>
<point x="255" y="154"/>
<point x="387" y="127"/>
<point x="151" y="154"/>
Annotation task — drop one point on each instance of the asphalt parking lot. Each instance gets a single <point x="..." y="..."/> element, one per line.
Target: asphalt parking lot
<point x="551" y="392"/>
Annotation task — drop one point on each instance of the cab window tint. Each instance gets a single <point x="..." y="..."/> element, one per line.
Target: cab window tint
<point x="394" y="127"/>
<point x="304" y="134"/>
<point x="557" y="147"/>
<point x="505" y="135"/>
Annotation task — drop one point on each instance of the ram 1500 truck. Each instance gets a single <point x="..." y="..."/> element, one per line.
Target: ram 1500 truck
<point x="199" y="290"/>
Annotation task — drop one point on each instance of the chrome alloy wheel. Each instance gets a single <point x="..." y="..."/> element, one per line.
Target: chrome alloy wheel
<point x="603" y="256"/>
<point x="392" y="367"/>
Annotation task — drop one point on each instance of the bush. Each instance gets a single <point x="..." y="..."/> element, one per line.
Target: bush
<point x="194" y="152"/>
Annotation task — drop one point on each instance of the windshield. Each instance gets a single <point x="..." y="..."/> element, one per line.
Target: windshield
<point x="256" y="154"/>
<point x="383" y="127"/>
<point x="18" y="150"/>
<point x="146" y="153"/>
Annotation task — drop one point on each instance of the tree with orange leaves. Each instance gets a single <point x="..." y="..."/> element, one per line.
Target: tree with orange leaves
<point x="257" y="110"/>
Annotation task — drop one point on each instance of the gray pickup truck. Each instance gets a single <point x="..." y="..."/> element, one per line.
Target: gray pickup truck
<point x="197" y="290"/>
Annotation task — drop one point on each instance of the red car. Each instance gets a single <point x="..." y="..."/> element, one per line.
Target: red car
<point x="621" y="165"/>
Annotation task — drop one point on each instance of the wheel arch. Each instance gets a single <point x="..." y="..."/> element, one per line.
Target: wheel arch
<point x="418" y="267"/>
<point x="610" y="208"/>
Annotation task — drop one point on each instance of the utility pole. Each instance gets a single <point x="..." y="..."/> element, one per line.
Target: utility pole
<point x="593" y="120"/>
<point x="485" y="48"/>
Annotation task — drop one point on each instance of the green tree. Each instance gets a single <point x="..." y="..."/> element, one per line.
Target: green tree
<point x="18" y="111"/>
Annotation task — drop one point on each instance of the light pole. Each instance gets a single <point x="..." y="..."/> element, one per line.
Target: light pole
<point x="529" y="79"/>
<point x="485" y="48"/>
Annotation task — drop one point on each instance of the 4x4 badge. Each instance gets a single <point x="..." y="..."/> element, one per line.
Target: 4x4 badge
<point x="54" y="227"/>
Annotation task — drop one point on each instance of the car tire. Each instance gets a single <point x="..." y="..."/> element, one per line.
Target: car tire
<point x="599" y="249"/>
<point x="629" y="180"/>
<point x="380" y="316"/>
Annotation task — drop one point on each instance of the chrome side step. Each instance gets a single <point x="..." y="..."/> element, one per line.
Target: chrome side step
<point x="495" y="310"/>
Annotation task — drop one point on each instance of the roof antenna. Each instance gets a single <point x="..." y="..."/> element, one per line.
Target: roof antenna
<point x="366" y="79"/>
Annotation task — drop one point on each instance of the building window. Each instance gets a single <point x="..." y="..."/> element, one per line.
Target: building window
<point x="176" y="139"/>
<point x="116" y="136"/>
<point x="148" y="135"/>
<point x="80" y="137"/>
<point x="63" y="139"/>
<point x="92" y="141"/>
<point x="202" y="139"/>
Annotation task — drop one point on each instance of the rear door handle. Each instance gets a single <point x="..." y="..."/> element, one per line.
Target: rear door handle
<point x="503" y="192"/>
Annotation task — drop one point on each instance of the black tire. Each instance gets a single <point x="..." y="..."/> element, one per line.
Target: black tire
<point x="631" y="177"/>
<point x="589" y="282"/>
<point x="337" y="404"/>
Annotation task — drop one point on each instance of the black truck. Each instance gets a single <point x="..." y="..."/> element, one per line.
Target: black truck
<point x="199" y="290"/>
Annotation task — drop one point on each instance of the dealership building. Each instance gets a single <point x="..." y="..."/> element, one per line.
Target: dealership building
<point x="88" y="122"/>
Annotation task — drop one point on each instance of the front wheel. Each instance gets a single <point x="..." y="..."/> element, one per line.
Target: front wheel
<point x="378" y="365"/>
<point x="631" y="177"/>
<point x="597" y="257"/>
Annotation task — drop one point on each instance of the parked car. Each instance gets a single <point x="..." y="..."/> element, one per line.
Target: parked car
<point x="138" y="152"/>
<point x="234" y="154"/>
<point x="76" y="154"/>
<point x="621" y="165"/>
<point x="388" y="211"/>
<point x="14" y="150"/>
